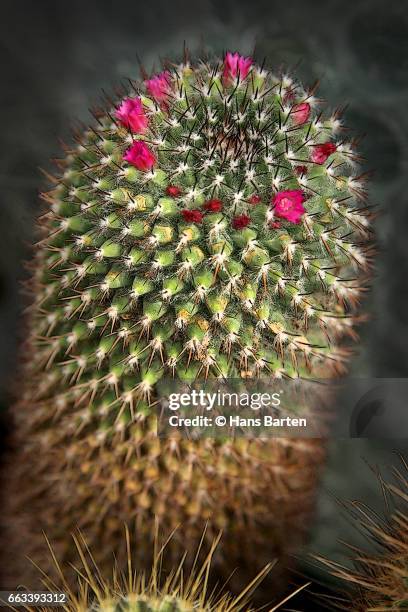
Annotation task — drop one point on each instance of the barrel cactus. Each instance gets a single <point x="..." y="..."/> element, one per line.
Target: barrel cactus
<point x="211" y="223"/>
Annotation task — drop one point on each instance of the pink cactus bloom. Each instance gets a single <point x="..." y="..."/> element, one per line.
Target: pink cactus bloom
<point x="174" y="191"/>
<point x="289" y="205"/>
<point x="234" y="65"/>
<point x="321" y="152"/>
<point x="131" y="115"/>
<point x="140" y="156"/>
<point x="159" y="86"/>
<point x="192" y="215"/>
<point x="300" y="113"/>
<point x="241" y="221"/>
<point x="300" y="170"/>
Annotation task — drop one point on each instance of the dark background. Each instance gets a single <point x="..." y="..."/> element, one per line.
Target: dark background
<point x="57" y="56"/>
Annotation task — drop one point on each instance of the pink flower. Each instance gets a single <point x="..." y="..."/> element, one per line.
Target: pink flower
<point x="300" y="170"/>
<point x="173" y="191"/>
<point x="140" y="156"/>
<point x="300" y="113"/>
<point x="288" y="205"/>
<point x="193" y="215"/>
<point x="255" y="199"/>
<point x="321" y="152"/>
<point x="275" y="224"/>
<point x="240" y="221"/>
<point x="159" y="86"/>
<point x="289" y="96"/>
<point x="234" y="65"/>
<point x="131" y="115"/>
<point x="213" y="205"/>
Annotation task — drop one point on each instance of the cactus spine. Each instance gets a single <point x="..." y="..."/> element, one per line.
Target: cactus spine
<point x="378" y="579"/>
<point x="155" y="590"/>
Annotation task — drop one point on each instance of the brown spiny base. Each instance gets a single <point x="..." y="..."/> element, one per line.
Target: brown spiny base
<point x="260" y="494"/>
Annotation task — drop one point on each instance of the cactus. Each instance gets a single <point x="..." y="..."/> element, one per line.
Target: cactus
<point x="212" y="223"/>
<point x="379" y="578"/>
<point x="178" y="590"/>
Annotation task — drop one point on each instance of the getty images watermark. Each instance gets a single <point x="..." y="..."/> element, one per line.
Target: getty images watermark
<point x="204" y="401"/>
<point x="233" y="407"/>
<point x="268" y="407"/>
<point x="201" y="398"/>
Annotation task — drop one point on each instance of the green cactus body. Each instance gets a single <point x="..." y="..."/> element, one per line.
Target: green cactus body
<point x="140" y="603"/>
<point x="219" y="231"/>
<point x="135" y="255"/>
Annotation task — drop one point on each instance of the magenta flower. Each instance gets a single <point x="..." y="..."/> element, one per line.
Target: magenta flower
<point x="173" y="191"/>
<point x="289" y="205"/>
<point x="321" y="152"/>
<point x="234" y="65"/>
<point x="241" y="221"/>
<point x="300" y="113"/>
<point x="131" y="115"/>
<point x="192" y="215"/>
<point x="140" y="156"/>
<point x="159" y="86"/>
<point x="214" y="205"/>
<point x="300" y="170"/>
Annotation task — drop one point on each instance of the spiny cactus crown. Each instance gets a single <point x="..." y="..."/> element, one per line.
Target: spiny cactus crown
<point x="211" y="224"/>
<point x="138" y="603"/>
<point x="179" y="589"/>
